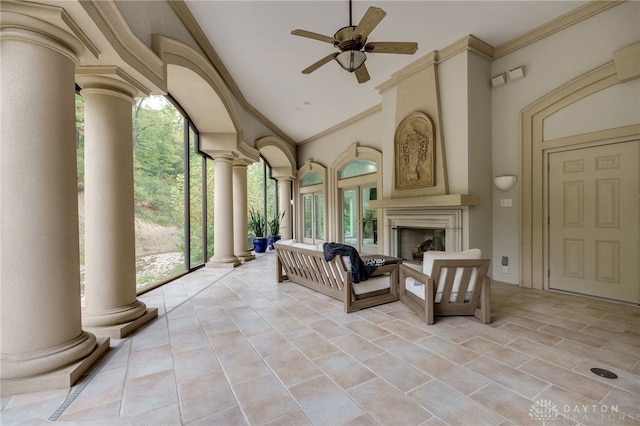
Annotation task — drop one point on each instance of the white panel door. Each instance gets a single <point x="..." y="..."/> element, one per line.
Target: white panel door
<point x="593" y="221"/>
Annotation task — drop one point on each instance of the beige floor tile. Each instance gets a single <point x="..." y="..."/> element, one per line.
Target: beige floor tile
<point x="195" y="363"/>
<point x="579" y="409"/>
<point x="453" y="407"/>
<point x="533" y="335"/>
<point x="626" y="381"/>
<point x="575" y="336"/>
<point x="292" y="367"/>
<point x="149" y="361"/>
<point x="243" y="365"/>
<point x="107" y="386"/>
<point x="228" y="342"/>
<point x="517" y="380"/>
<point x="402" y="348"/>
<point x="499" y="352"/>
<point x="343" y="369"/>
<point x="150" y="338"/>
<point x="106" y="410"/>
<point x="512" y="406"/>
<point x="188" y="340"/>
<point x="625" y="337"/>
<point x="458" y="377"/>
<point x="621" y="348"/>
<point x="546" y="353"/>
<point x="387" y="405"/>
<point x="264" y="399"/>
<point x="406" y="331"/>
<point x="450" y="333"/>
<point x="582" y="352"/>
<point x="456" y="353"/>
<point x="367" y="330"/>
<point x="270" y="343"/>
<point x="582" y="385"/>
<point x="623" y="402"/>
<point x="231" y="416"/>
<point x="356" y="346"/>
<point x="148" y="393"/>
<point x="204" y="396"/>
<point x="313" y="345"/>
<point x="329" y="329"/>
<point x="490" y="333"/>
<point x="295" y="418"/>
<point x="397" y="372"/>
<point x="324" y="403"/>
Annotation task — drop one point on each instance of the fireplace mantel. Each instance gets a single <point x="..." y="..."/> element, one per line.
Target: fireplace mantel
<point x="451" y="200"/>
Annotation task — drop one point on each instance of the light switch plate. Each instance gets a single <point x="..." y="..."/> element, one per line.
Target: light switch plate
<point x="505" y="202"/>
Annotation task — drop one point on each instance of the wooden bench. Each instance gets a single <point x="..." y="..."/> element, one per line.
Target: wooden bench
<point x="305" y="264"/>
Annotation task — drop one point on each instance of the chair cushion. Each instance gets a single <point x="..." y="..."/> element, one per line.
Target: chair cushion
<point x="417" y="288"/>
<point x="372" y="284"/>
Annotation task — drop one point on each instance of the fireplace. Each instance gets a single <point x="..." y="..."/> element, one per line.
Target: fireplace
<point x="413" y="242"/>
<point x="407" y="228"/>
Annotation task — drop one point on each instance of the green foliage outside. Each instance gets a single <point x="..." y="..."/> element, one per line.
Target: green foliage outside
<point x="159" y="178"/>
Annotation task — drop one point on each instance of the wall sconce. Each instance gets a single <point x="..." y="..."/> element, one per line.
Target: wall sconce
<point x="505" y="183"/>
<point x="498" y="80"/>
<point x="516" y="73"/>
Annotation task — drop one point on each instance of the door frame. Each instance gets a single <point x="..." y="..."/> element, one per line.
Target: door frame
<point x="533" y="171"/>
<point x="546" y="195"/>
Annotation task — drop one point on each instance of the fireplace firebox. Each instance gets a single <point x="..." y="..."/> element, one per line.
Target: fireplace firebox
<point x="413" y="242"/>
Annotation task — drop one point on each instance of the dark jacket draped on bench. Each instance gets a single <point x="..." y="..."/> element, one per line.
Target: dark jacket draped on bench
<point x="359" y="271"/>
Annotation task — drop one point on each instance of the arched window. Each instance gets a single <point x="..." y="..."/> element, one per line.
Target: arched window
<point x="358" y="180"/>
<point x="312" y="179"/>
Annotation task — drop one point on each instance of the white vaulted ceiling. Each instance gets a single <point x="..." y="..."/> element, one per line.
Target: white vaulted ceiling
<point x="253" y="39"/>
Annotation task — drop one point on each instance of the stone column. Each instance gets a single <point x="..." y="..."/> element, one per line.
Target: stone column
<point x="240" y="234"/>
<point x="111" y="308"/>
<point x="284" y="200"/>
<point x="223" y="256"/>
<point x="43" y="344"/>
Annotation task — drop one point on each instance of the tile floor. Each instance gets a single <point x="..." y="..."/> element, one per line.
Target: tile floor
<point x="233" y="347"/>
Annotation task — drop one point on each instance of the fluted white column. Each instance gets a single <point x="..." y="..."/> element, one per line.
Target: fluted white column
<point x="240" y="234"/>
<point x="43" y="344"/>
<point x="284" y="201"/>
<point x="223" y="256"/>
<point x="111" y="308"/>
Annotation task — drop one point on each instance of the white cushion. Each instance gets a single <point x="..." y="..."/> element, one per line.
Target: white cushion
<point x="372" y="284"/>
<point x="416" y="288"/>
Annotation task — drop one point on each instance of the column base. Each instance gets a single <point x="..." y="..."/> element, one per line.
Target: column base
<point x="222" y="264"/>
<point x="58" y="379"/>
<point x="119" y="331"/>
<point x="245" y="257"/>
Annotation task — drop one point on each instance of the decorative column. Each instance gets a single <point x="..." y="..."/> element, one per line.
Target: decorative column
<point x="111" y="308"/>
<point x="240" y="234"/>
<point x="223" y="256"/>
<point x="284" y="197"/>
<point x="43" y="344"/>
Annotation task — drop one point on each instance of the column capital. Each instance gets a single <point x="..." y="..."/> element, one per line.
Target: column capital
<point x="109" y="80"/>
<point x="242" y="162"/>
<point x="30" y="23"/>
<point x="229" y="156"/>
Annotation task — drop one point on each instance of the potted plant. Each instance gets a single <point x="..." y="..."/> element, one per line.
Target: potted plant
<point x="274" y="229"/>
<point x="257" y="227"/>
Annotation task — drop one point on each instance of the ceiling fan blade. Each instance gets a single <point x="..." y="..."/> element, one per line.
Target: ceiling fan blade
<point x="371" y="18"/>
<point x="406" y="48"/>
<point x="362" y="74"/>
<point x="315" y="36"/>
<point x="319" y="63"/>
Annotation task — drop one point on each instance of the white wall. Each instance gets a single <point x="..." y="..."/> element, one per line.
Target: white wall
<point x="549" y="63"/>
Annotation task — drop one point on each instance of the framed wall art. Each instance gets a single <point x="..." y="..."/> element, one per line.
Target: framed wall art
<point x="414" y="150"/>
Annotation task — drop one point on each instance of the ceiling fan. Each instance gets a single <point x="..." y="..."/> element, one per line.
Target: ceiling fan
<point x="352" y="43"/>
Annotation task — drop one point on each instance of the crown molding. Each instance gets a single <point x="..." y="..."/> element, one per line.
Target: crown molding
<point x="190" y="23"/>
<point x="558" y="24"/>
<point x="373" y="110"/>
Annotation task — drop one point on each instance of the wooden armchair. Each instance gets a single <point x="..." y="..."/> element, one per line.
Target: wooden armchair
<point x="447" y="284"/>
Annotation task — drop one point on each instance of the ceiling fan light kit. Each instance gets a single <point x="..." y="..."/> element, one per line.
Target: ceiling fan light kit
<point x="351" y="41"/>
